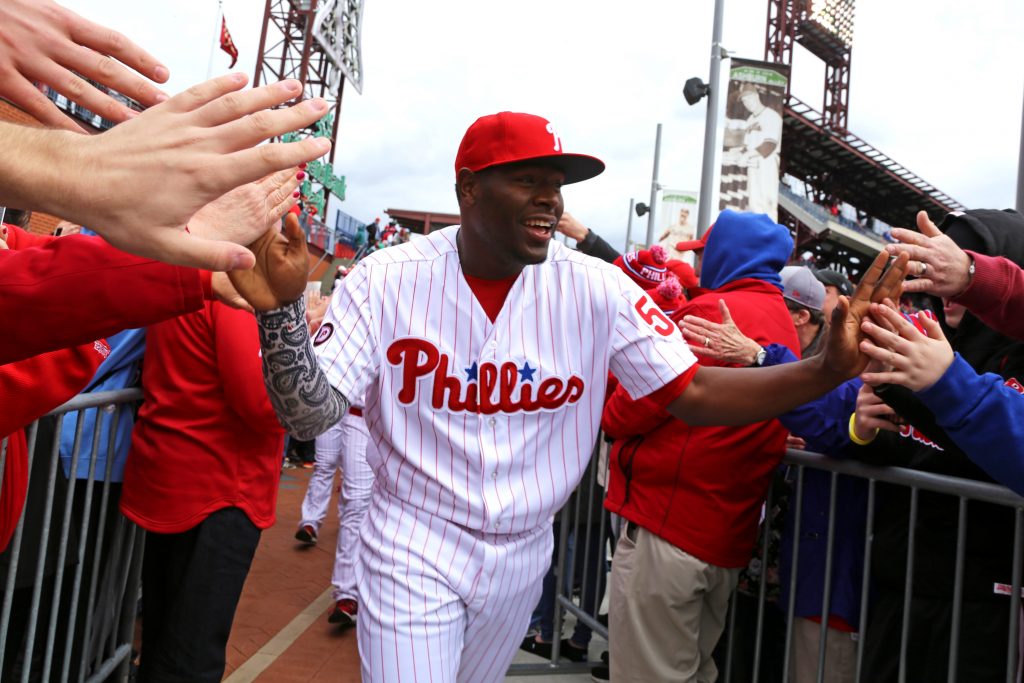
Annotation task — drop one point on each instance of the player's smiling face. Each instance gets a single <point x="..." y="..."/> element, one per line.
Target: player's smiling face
<point x="510" y="217"/>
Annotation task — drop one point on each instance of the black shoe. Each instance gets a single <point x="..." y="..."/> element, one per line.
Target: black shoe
<point x="600" y="673"/>
<point x="306" y="534"/>
<point x="568" y="650"/>
<point x="344" y="614"/>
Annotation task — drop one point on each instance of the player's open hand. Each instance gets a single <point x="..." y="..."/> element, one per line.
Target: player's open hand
<point x="281" y="271"/>
<point x="842" y="354"/>
<point x="42" y="42"/>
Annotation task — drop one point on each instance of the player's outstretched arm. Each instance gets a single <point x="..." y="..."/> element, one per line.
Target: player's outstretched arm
<point x="305" y="402"/>
<point x="140" y="183"/>
<point x="733" y="396"/>
<point x="42" y="42"/>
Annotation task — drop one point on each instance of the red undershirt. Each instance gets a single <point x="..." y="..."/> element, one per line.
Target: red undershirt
<point x="492" y="294"/>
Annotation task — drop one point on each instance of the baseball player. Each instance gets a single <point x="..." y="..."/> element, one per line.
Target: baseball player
<point x="343" y="447"/>
<point x="483" y="351"/>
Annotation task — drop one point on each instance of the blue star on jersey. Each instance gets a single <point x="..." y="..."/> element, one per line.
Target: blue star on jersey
<point x="471" y="372"/>
<point x="526" y="372"/>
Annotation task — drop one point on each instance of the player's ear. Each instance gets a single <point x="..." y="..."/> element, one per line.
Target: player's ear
<point x="467" y="187"/>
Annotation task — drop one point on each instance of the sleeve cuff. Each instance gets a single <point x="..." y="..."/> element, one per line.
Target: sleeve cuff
<point x="946" y="397"/>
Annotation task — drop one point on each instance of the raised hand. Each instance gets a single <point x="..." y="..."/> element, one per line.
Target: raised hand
<point x="46" y="43"/>
<point x="938" y="264"/>
<point x="139" y="183"/>
<point x="842" y="354"/>
<point x="281" y="271"/>
<point x="916" y="361"/>
<point x="249" y="210"/>
<point x="719" y="341"/>
<point x="872" y="414"/>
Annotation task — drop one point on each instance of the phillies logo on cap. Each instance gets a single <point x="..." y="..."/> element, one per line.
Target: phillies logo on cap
<point x="510" y="137"/>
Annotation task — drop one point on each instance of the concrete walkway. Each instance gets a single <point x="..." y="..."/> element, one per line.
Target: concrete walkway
<point x="280" y="633"/>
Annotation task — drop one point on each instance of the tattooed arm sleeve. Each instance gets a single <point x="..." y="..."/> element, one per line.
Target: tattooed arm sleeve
<point x="305" y="402"/>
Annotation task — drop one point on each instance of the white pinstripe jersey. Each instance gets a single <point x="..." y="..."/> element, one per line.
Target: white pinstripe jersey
<point x="489" y="425"/>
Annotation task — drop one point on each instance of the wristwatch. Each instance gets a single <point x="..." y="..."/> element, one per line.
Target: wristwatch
<point x="762" y="353"/>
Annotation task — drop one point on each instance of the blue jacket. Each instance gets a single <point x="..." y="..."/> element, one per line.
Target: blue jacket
<point x="119" y="371"/>
<point x="824" y="425"/>
<point x="984" y="415"/>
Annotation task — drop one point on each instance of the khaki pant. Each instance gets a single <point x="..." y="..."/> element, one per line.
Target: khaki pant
<point x="667" y="611"/>
<point x="840" y="654"/>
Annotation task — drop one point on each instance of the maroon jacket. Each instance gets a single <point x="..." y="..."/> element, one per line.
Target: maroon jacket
<point x="700" y="488"/>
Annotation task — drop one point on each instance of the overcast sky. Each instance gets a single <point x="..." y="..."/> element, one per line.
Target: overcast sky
<point x="937" y="85"/>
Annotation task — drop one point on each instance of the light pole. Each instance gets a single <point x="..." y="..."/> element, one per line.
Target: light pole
<point x="693" y="91"/>
<point x="652" y="207"/>
<point x="629" y="225"/>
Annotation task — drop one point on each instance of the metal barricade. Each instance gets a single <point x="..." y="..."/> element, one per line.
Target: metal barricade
<point x="73" y="567"/>
<point x="584" y="517"/>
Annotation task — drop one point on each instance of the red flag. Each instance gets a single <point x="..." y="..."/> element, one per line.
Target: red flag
<point x="226" y="43"/>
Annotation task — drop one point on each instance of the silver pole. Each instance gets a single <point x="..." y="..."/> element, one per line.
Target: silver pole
<point x="652" y="207"/>
<point x="629" y="225"/>
<point x="707" y="173"/>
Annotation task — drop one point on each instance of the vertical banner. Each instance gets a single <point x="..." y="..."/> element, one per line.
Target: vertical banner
<point x="752" y="137"/>
<point x="678" y="216"/>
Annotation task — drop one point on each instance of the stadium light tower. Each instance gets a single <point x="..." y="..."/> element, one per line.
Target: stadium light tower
<point x="825" y="28"/>
<point x="316" y="42"/>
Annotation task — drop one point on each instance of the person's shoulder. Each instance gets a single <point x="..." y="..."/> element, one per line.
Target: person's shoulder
<point x="561" y="256"/>
<point x="427" y="248"/>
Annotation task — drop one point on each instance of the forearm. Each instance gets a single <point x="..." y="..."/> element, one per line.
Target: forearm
<point x="594" y="245"/>
<point x="305" y="402"/>
<point x="739" y="396"/>
<point x="76" y="289"/>
<point x="41" y="178"/>
<point x="996" y="294"/>
<point x="983" y="416"/>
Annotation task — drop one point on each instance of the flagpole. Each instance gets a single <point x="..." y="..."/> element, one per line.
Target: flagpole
<point x="215" y="44"/>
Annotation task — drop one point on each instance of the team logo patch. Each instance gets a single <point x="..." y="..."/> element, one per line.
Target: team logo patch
<point x="325" y="332"/>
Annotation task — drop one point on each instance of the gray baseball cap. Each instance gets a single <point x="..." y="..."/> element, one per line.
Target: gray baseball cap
<point x="800" y="286"/>
<point x="828" y="276"/>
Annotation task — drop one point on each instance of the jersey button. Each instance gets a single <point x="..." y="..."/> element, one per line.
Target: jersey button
<point x="494" y="474"/>
<point x="492" y="422"/>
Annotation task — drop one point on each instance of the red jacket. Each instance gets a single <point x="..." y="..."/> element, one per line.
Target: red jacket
<point x="61" y="292"/>
<point x="700" y="488"/>
<point x="30" y="388"/>
<point x="206" y="437"/>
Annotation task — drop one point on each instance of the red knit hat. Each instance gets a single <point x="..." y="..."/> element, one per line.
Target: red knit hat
<point x="668" y="295"/>
<point x="508" y="137"/>
<point x="684" y="271"/>
<point x="645" y="267"/>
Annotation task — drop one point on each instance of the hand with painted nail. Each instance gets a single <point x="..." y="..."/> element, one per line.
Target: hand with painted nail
<point x="141" y="182"/>
<point x="42" y="42"/>
<point x="245" y="213"/>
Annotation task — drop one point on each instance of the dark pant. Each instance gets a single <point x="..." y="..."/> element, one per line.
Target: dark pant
<point x="983" y="642"/>
<point x="191" y="583"/>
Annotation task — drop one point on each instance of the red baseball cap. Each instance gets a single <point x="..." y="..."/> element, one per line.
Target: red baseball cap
<point x="695" y="245"/>
<point x="508" y="137"/>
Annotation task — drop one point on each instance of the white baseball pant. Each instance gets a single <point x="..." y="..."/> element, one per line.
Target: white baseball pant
<point x="440" y="603"/>
<point x="342" y="446"/>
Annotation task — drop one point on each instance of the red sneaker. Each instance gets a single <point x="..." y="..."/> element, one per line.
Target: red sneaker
<point x="344" y="613"/>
